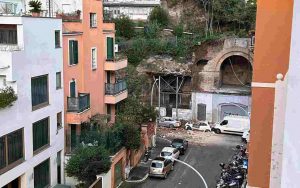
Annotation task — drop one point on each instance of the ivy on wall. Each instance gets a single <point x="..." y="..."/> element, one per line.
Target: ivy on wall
<point x="7" y="97"/>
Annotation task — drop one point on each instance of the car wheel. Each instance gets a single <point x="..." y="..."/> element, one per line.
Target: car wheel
<point x="172" y="126"/>
<point x="218" y="131"/>
<point x="207" y="130"/>
<point x="183" y="152"/>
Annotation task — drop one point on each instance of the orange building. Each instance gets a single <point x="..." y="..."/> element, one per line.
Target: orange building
<point x="91" y="82"/>
<point x="271" y="61"/>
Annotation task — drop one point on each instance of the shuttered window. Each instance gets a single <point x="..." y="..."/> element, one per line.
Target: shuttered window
<point x="11" y="148"/>
<point x="94" y="58"/>
<point x="39" y="91"/>
<point x="42" y="175"/>
<point x="73" y="52"/>
<point x="40" y="134"/>
<point x="57" y="39"/>
<point x="93" y="20"/>
<point x="110" y="48"/>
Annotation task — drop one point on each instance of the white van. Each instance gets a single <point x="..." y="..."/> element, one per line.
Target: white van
<point x="233" y="125"/>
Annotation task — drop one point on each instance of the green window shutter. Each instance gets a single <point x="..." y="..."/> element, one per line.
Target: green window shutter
<point x="110" y="48"/>
<point x="71" y="57"/>
<point x="40" y="134"/>
<point x="42" y="175"/>
<point x="2" y="152"/>
<point x="75" y="51"/>
<point x="15" y="146"/>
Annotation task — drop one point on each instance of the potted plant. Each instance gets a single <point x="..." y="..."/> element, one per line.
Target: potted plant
<point x="36" y="7"/>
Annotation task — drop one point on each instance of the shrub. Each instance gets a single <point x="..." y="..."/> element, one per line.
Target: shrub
<point x="7" y="97"/>
<point x="159" y="15"/>
<point x="35" y="5"/>
<point x="87" y="163"/>
<point x="152" y="30"/>
<point x="124" y="27"/>
<point x="178" y="30"/>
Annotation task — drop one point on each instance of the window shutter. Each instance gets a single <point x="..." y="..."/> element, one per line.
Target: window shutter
<point x="71" y="57"/>
<point x="110" y="48"/>
<point x="75" y="48"/>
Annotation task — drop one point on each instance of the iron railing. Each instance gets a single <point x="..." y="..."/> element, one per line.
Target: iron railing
<point x="116" y="88"/>
<point x="80" y="103"/>
<point x="8" y="8"/>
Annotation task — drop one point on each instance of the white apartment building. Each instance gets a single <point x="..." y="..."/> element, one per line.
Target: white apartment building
<point x="31" y="133"/>
<point x="134" y="9"/>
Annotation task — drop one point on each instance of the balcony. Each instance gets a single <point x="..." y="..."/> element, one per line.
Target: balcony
<point x="78" y="108"/>
<point x="116" y="92"/>
<point x="115" y="64"/>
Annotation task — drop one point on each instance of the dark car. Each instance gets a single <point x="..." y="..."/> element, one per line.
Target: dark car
<point x="180" y="144"/>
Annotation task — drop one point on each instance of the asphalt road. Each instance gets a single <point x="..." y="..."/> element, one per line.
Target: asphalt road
<point x="206" y="159"/>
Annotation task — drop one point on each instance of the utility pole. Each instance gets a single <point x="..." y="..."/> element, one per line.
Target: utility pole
<point x="177" y="98"/>
<point x="159" y="95"/>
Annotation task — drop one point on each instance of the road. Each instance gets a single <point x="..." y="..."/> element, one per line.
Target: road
<point x="206" y="159"/>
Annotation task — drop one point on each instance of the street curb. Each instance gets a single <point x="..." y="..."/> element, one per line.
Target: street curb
<point x="138" y="181"/>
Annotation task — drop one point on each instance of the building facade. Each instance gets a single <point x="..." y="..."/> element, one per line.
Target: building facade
<point x="135" y="10"/>
<point x="274" y="144"/>
<point x="31" y="131"/>
<point x="221" y="79"/>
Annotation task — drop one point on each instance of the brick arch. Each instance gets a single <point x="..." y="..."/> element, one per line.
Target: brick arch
<point x="235" y="51"/>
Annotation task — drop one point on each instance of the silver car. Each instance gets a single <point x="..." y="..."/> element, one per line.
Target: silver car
<point x="161" y="167"/>
<point x="168" y="122"/>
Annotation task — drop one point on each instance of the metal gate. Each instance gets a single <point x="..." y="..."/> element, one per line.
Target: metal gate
<point x="201" y="112"/>
<point x="228" y="109"/>
<point x="118" y="173"/>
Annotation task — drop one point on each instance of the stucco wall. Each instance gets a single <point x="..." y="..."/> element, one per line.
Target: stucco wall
<point x="39" y="57"/>
<point x="213" y="100"/>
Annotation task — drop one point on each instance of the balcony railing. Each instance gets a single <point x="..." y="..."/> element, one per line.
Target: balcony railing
<point x="80" y="103"/>
<point x="8" y="8"/>
<point x="116" y="88"/>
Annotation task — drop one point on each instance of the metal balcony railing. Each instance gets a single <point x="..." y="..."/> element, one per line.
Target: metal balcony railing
<point x="116" y="88"/>
<point x="80" y="103"/>
<point x="8" y="8"/>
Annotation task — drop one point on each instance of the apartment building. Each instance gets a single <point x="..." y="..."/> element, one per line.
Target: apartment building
<point x="31" y="130"/>
<point x="134" y="9"/>
<point x="274" y="141"/>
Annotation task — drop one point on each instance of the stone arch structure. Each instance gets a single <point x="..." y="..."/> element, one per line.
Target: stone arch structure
<point x="234" y="51"/>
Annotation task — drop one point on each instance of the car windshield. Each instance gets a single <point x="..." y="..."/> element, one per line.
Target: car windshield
<point x="176" y="144"/>
<point x="164" y="153"/>
<point x="156" y="165"/>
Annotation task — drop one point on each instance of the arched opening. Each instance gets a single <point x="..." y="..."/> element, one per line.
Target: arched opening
<point x="236" y="71"/>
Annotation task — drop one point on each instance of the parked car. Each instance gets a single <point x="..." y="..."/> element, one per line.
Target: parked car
<point x="199" y="126"/>
<point x="160" y="167"/>
<point x="233" y="125"/>
<point x="180" y="144"/>
<point x="246" y="136"/>
<point x="170" y="153"/>
<point x="168" y="122"/>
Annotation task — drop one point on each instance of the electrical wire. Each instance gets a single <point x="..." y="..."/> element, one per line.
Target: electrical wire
<point x="236" y="75"/>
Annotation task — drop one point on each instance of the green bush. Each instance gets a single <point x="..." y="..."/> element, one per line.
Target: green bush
<point x="124" y="27"/>
<point x="152" y="30"/>
<point x="7" y="97"/>
<point x="159" y="15"/>
<point x="178" y="30"/>
<point x="88" y="162"/>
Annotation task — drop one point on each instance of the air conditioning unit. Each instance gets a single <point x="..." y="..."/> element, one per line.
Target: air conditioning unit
<point x="116" y="48"/>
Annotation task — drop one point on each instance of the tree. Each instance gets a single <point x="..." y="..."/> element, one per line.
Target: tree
<point x="159" y="15"/>
<point x="124" y="27"/>
<point x="88" y="162"/>
<point x="7" y="97"/>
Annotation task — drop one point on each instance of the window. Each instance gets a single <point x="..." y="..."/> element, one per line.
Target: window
<point x="59" y="120"/>
<point x="57" y="39"/>
<point x="73" y="52"/>
<point x="225" y="122"/>
<point x="110" y="48"/>
<point x="59" y="167"/>
<point x="94" y="58"/>
<point x="42" y="174"/>
<point x="11" y="148"/>
<point x="40" y="134"/>
<point x="58" y="80"/>
<point x="39" y="91"/>
<point x="93" y="20"/>
<point x="9" y="36"/>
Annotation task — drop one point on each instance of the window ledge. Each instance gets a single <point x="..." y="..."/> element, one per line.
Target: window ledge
<point x="12" y="165"/>
<point x="39" y="106"/>
<point x="41" y="149"/>
<point x="73" y="65"/>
